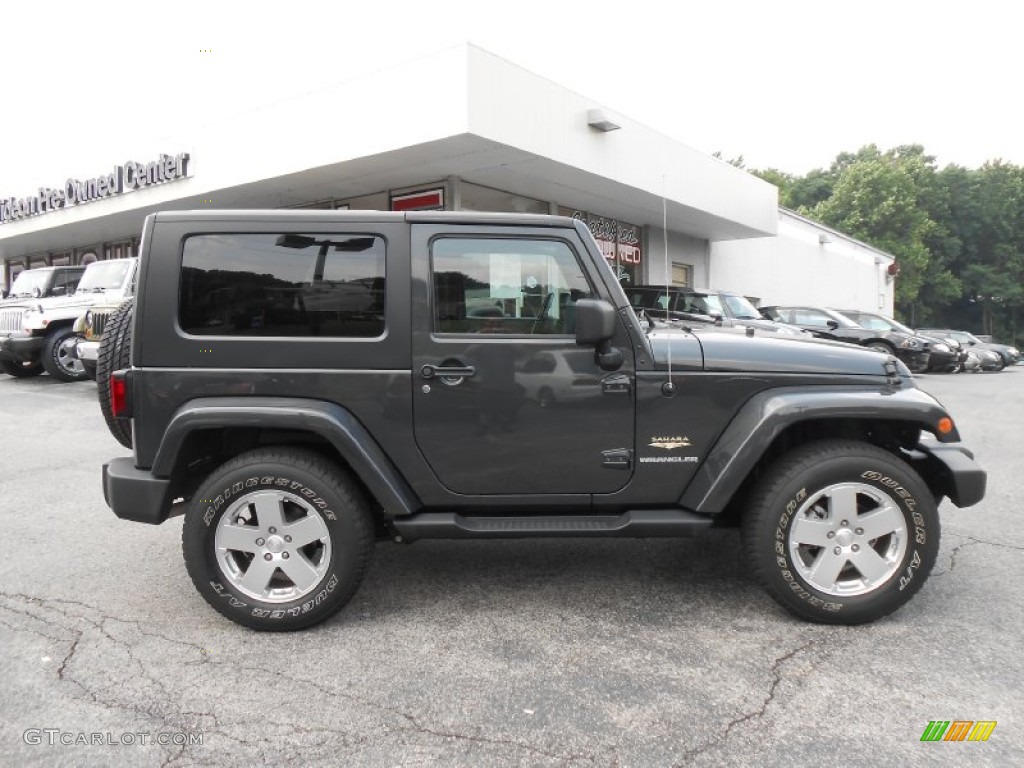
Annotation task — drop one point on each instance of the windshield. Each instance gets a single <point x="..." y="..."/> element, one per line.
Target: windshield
<point x="878" y="322"/>
<point x="740" y="308"/>
<point x="26" y="283"/>
<point x="103" y="275"/>
<point x="700" y="303"/>
<point x="964" y="336"/>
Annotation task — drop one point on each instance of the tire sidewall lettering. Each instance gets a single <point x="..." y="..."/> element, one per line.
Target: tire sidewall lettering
<point x="267" y="480"/>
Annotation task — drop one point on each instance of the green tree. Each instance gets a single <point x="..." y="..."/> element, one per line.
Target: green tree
<point x="876" y="199"/>
<point x="988" y="217"/>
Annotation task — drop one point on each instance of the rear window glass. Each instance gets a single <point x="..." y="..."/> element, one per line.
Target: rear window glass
<point x="288" y="284"/>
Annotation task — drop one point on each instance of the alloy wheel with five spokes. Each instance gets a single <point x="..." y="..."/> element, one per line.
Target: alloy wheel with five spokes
<point x="841" y="531"/>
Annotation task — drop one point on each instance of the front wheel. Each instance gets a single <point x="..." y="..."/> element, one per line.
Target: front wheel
<point x="59" y="358"/>
<point x="21" y="370"/>
<point x="278" y="538"/>
<point x="841" y="532"/>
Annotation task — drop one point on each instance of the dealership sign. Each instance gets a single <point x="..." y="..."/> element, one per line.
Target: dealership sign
<point x="123" y="178"/>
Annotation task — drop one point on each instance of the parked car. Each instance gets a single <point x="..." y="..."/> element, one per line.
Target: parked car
<point x="1008" y="355"/>
<point x="725" y="308"/>
<point x="43" y="282"/>
<point x="89" y="328"/>
<point x="943" y="357"/>
<point x="293" y="446"/>
<point x="829" y="324"/>
<point x="37" y="334"/>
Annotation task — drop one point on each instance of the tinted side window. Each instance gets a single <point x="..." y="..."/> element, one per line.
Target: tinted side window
<point x="328" y="285"/>
<point x="506" y="286"/>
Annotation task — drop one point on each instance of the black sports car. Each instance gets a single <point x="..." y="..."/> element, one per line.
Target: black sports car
<point x="828" y="324"/>
<point x="944" y="356"/>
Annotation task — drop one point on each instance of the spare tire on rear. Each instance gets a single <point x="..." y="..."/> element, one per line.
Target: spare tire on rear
<point x="115" y="354"/>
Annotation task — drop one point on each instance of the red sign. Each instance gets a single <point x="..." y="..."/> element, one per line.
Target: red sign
<point x="425" y="200"/>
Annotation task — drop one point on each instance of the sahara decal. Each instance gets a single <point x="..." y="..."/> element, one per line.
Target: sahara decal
<point x="669" y="443"/>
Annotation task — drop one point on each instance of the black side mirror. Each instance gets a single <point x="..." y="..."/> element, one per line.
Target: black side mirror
<point x="832" y="324"/>
<point x="595" y="321"/>
<point x="595" y="326"/>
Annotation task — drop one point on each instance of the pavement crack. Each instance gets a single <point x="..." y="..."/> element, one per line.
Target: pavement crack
<point x="67" y="659"/>
<point x="52" y="612"/>
<point x="777" y="677"/>
<point x="1000" y="544"/>
<point x="970" y="541"/>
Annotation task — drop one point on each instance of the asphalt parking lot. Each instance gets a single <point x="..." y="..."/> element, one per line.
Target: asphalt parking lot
<point x="571" y="652"/>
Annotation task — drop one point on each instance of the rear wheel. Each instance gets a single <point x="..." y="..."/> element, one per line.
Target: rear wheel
<point x="841" y="532"/>
<point x="21" y="370"/>
<point x="59" y="358"/>
<point x="278" y="538"/>
<point x="115" y="354"/>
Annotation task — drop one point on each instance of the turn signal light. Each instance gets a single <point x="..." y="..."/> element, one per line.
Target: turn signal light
<point x="945" y="425"/>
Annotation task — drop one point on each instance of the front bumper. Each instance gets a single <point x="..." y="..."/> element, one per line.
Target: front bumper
<point x="943" y="361"/>
<point x="135" y="494"/>
<point x="88" y="351"/>
<point x="951" y="469"/>
<point x="21" y="349"/>
<point x="915" y="360"/>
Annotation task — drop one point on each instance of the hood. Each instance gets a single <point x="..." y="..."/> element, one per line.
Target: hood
<point x="75" y="300"/>
<point x="736" y="349"/>
<point x="770" y="325"/>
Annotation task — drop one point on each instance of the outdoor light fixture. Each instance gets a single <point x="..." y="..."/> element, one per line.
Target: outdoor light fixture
<point x="596" y="118"/>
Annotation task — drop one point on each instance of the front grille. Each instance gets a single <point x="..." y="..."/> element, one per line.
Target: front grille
<point x="10" y="320"/>
<point x="99" y="322"/>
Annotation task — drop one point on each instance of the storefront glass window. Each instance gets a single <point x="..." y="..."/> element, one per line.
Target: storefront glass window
<point x="620" y="243"/>
<point x="477" y="198"/>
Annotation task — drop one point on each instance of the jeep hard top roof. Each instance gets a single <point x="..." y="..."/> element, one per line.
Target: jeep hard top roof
<point x="416" y="217"/>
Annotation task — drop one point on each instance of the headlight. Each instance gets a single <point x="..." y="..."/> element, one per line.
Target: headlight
<point x="88" y="318"/>
<point x="1014" y="352"/>
<point x="940" y="347"/>
<point x="910" y="344"/>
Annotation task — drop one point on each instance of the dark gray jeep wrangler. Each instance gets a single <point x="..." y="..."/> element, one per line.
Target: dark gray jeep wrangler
<point x="302" y="384"/>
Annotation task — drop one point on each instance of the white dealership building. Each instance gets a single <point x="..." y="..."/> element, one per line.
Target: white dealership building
<point x="485" y="135"/>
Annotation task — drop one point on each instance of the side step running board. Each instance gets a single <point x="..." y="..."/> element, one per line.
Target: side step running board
<point x="639" y="523"/>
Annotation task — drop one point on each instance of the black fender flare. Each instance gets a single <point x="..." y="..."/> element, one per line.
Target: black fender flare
<point x="763" y="418"/>
<point x="335" y="424"/>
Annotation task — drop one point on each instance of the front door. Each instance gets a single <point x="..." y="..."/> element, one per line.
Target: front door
<point x="504" y="400"/>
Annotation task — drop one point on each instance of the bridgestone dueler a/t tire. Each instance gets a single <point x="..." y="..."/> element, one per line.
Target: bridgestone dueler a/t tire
<point x="791" y="483"/>
<point x="114" y="355"/>
<point x="330" y="495"/>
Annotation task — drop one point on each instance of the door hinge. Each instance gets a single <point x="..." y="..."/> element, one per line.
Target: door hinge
<point x="616" y="384"/>
<point x="617" y="458"/>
